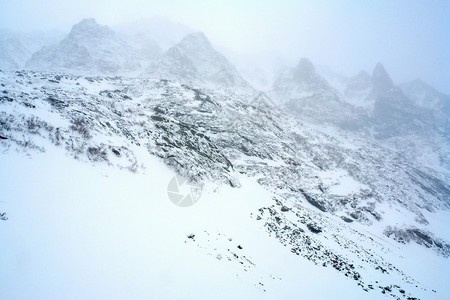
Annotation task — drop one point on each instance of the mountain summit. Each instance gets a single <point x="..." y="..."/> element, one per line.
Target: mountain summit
<point x="382" y="82"/>
<point x="89" y="27"/>
<point x="194" y="59"/>
<point x="305" y="71"/>
<point x="299" y="82"/>
<point x="89" y="48"/>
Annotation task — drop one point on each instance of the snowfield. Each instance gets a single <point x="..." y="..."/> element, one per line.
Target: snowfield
<point x="103" y="225"/>
<point x="79" y="231"/>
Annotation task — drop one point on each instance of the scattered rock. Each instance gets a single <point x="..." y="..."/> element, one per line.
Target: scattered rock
<point x="314" y="228"/>
<point x="346" y="219"/>
<point x="3" y="216"/>
<point x="285" y="209"/>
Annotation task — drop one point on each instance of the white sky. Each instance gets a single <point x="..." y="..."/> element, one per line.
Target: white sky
<point x="411" y="38"/>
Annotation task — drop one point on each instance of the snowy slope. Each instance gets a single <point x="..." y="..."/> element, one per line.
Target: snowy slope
<point x="96" y="232"/>
<point x="284" y="202"/>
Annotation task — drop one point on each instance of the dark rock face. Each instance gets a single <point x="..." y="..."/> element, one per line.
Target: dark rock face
<point x="420" y="237"/>
<point x="177" y="138"/>
<point x="313" y="201"/>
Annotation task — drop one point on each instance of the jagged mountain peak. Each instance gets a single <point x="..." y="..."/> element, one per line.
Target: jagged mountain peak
<point x="381" y="79"/>
<point x="379" y="69"/>
<point x="89" y="48"/>
<point x="196" y="44"/>
<point x="305" y="74"/>
<point x="195" y="61"/>
<point x="306" y="65"/>
<point x="86" y="22"/>
<point x="305" y="71"/>
<point x="197" y="37"/>
<point x="89" y="28"/>
<point x="303" y="90"/>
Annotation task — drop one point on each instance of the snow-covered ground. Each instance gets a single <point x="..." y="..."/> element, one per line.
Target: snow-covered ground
<point x="336" y="188"/>
<point x="78" y="231"/>
<point x="288" y="209"/>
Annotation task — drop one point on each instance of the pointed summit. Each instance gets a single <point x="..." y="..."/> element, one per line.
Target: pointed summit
<point x="198" y="37"/>
<point x="306" y="64"/>
<point x="194" y="60"/>
<point x="303" y="85"/>
<point x="196" y="42"/>
<point x="305" y="70"/>
<point x="381" y="79"/>
<point x="89" y="28"/>
<point x="89" y="48"/>
<point x="306" y="76"/>
<point x="87" y="22"/>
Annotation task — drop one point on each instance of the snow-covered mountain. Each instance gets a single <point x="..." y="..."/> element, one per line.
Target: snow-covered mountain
<point x="360" y="207"/>
<point x="325" y="187"/>
<point x="396" y="113"/>
<point x="193" y="60"/>
<point x="301" y="83"/>
<point x="428" y="99"/>
<point x="89" y="48"/>
<point x="16" y="47"/>
<point x="424" y="95"/>
<point x="12" y="54"/>
<point x="370" y="103"/>
<point x="92" y="49"/>
<point x="304" y="91"/>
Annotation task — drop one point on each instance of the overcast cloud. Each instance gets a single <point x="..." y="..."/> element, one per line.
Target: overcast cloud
<point x="411" y="38"/>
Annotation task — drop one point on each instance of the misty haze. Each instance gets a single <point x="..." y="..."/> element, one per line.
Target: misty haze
<point x="224" y="150"/>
